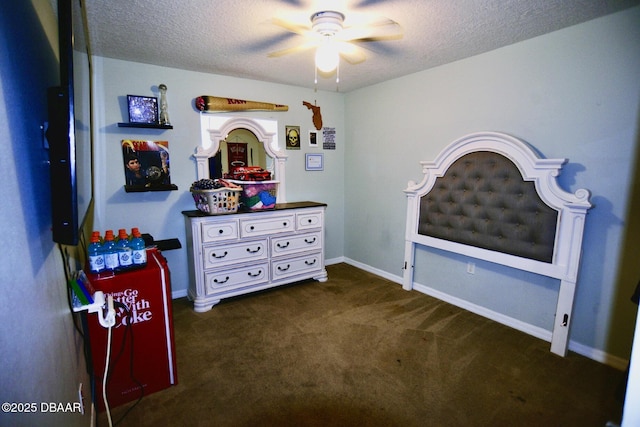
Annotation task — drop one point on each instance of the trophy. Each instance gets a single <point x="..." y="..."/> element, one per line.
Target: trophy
<point x="164" y="114"/>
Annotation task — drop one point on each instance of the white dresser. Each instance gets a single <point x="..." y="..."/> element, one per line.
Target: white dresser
<point x="235" y="254"/>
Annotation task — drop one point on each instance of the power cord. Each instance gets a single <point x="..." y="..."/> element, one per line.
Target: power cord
<point x="105" y="375"/>
<point x="128" y="331"/>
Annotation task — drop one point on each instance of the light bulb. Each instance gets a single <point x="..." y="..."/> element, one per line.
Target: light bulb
<point x="327" y="57"/>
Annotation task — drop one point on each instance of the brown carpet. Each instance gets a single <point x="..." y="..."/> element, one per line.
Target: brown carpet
<point x="358" y="350"/>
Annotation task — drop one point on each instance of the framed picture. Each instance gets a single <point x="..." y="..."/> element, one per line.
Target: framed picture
<point x="142" y="109"/>
<point x="146" y="164"/>
<point x="293" y="137"/>
<point x="313" y="138"/>
<point x="314" y="161"/>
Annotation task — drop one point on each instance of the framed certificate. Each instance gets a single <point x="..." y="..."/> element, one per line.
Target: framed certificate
<point x="314" y="161"/>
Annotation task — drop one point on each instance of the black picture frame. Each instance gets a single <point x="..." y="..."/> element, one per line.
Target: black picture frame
<point x="142" y="109"/>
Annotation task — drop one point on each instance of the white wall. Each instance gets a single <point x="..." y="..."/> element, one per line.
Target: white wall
<point x="41" y="353"/>
<point x="159" y="213"/>
<point x="573" y="93"/>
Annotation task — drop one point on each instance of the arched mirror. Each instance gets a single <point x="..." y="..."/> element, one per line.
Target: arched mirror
<point x="239" y="141"/>
<point x="239" y="149"/>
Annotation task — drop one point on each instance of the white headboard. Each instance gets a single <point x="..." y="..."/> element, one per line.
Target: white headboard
<point x="490" y="196"/>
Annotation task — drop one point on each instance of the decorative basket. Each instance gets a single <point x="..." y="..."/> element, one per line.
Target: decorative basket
<point x="258" y="195"/>
<point x="218" y="201"/>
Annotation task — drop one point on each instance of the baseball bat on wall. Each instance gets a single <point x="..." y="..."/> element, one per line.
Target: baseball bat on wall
<point x="215" y="103"/>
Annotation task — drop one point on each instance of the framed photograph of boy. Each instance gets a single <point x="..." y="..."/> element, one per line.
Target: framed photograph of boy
<point x="146" y="164"/>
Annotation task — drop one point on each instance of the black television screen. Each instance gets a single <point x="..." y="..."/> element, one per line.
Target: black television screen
<point x="69" y="131"/>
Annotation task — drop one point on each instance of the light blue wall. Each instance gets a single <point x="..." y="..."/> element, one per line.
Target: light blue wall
<point x="159" y="213"/>
<point x="573" y="93"/>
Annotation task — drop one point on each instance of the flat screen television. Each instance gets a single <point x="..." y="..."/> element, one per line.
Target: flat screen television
<point x="69" y="129"/>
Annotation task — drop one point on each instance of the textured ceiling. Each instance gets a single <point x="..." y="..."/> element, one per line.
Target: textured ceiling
<point x="234" y="37"/>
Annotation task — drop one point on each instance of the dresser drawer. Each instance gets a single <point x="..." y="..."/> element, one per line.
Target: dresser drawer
<point x="296" y="243"/>
<point x="217" y="231"/>
<point x="236" y="278"/>
<point x="294" y="266"/>
<point x="263" y="226"/>
<point x="308" y="220"/>
<point x="217" y="256"/>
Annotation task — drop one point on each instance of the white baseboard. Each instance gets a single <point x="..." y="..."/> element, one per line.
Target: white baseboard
<point x="541" y="333"/>
<point x="376" y="271"/>
<point x="334" y="261"/>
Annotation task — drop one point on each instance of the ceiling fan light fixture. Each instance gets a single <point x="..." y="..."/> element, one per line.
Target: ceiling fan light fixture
<point x="333" y="42"/>
<point x="327" y="23"/>
<point x="327" y="57"/>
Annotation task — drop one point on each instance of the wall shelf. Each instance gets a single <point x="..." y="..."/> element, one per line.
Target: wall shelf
<point x="144" y="125"/>
<point x="139" y="189"/>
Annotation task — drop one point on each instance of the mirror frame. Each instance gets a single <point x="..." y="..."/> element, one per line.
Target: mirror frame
<point x="214" y="134"/>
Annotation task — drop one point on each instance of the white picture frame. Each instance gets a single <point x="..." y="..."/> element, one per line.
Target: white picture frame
<point x="314" y="161"/>
<point x="313" y="138"/>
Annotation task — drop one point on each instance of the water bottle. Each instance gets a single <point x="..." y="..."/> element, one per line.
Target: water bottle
<point x="125" y="260"/>
<point x="94" y="252"/>
<point x="110" y="252"/>
<point x="139" y="248"/>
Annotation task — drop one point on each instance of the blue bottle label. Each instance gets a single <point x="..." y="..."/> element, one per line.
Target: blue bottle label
<point x="140" y="256"/>
<point x="111" y="261"/>
<point x="96" y="263"/>
<point x="124" y="258"/>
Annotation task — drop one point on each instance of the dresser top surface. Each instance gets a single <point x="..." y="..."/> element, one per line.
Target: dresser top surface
<point x="279" y="207"/>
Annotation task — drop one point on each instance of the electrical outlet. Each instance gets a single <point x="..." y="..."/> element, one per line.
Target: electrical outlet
<point x="471" y="268"/>
<point x="81" y="399"/>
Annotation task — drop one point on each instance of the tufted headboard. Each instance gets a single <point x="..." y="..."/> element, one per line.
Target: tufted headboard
<point x="490" y="196"/>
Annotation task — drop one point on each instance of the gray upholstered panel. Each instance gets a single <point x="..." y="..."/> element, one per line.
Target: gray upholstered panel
<point x="483" y="201"/>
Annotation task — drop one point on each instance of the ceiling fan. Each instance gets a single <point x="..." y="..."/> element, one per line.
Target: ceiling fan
<point x="332" y="38"/>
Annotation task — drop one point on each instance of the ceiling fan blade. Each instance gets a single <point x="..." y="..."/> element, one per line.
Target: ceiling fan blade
<point x="351" y="53"/>
<point x="303" y="30"/>
<point x="299" y="48"/>
<point x="385" y="29"/>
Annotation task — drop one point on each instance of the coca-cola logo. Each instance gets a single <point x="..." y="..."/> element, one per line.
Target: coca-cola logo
<point x="139" y="309"/>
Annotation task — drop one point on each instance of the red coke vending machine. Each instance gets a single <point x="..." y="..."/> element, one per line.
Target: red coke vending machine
<point x="142" y="352"/>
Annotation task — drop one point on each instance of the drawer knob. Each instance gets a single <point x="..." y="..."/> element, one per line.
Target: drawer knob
<point x="226" y="279"/>
<point x="309" y="220"/>
<point x="251" y="228"/>
<point x="284" y="224"/>
<point x="220" y="231"/>
<point x="219" y="256"/>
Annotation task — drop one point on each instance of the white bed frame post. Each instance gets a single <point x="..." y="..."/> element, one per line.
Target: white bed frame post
<point x="569" y="253"/>
<point x="560" y="336"/>
<point x="409" y="246"/>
